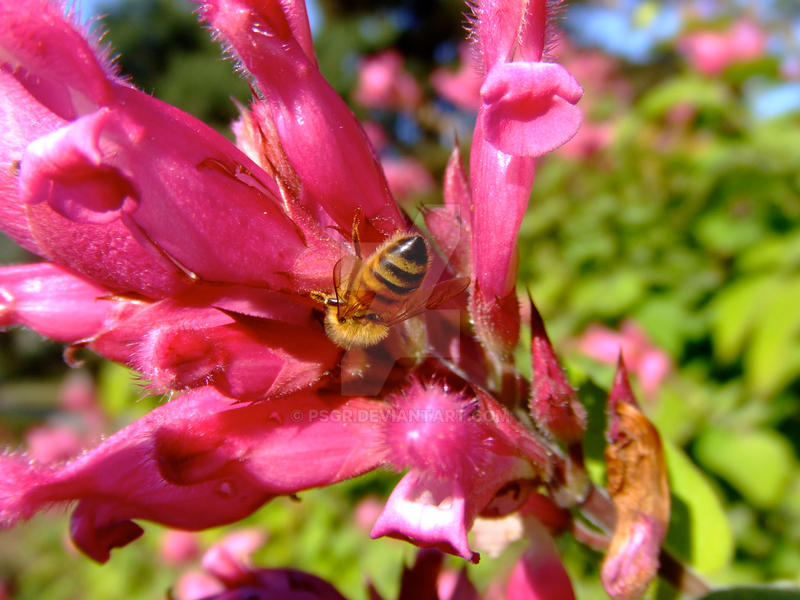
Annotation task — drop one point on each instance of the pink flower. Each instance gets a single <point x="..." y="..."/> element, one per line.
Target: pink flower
<point x="527" y="109"/>
<point x="53" y="443"/>
<point x="462" y="88"/>
<point x="384" y="83"/>
<point x="460" y="454"/>
<point x="590" y="139"/>
<point x="407" y="177"/>
<point x="710" y="52"/>
<point x="196" y="462"/>
<point x="647" y="361"/>
<point x="539" y="574"/>
<point x="178" y="547"/>
<point x="200" y="264"/>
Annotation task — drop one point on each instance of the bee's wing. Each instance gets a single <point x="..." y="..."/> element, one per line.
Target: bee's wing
<point x="441" y="293"/>
<point x="345" y="274"/>
<point x="445" y="290"/>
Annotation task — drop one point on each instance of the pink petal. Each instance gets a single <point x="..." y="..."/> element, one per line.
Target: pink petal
<point x="428" y="514"/>
<point x="52" y="301"/>
<point x="176" y="344"/>
<point x="501" y="186"/>
<point x="510" y="30"/>
<point x="196" y="462"/>
<point x="539" y="577"/>
<point x="50" y="57"/>
<point x="177" y="200"/>
<point x="326" y="146"/>
<point x="529" y="108"/>
<point x="459" y="461"/>
<point x="23" y="120"/>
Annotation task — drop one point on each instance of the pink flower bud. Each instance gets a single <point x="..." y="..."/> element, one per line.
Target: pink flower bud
<point x="554" y="405"/>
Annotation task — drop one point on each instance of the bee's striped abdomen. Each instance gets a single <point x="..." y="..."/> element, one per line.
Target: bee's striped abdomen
<point x="396" y="271"/>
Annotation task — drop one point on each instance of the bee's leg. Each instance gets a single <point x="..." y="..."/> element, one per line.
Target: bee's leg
<point x="355" y="236"/>
<point x="320" y="297"/>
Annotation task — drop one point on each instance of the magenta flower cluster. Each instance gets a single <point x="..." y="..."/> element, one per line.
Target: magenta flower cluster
<point x="199" y="263"/>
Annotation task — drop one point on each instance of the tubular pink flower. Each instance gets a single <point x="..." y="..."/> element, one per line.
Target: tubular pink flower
<point x="126" y="215"/>
<point x="52" y="301"/>
<point x="459" y="458"/>
<point x="129" y="188"/>
<point x="529" y="108"/>
<point x="176" y="345"/>
<point x="526" y="110"/>
<point x="321" y="137"/>
<point x="198" y="461"/>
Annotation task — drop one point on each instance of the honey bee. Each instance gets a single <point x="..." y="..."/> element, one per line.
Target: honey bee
<point x="374" y="294"/>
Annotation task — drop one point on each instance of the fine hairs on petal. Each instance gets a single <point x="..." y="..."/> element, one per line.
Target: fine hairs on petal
<point x="226" y="48"/>
<point x="18" y="475"/>
<point x="554" y="14"/>
<point x="94" y="32"/>
<point x="471" y="27"/>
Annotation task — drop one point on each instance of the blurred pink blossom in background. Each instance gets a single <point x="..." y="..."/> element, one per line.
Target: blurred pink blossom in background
<point x="462" y="87"/>
<point x="643" y="358"/>
<point x="407" y="177"/>
<point x="710" y="51"/>
<point x="384" y="83"/>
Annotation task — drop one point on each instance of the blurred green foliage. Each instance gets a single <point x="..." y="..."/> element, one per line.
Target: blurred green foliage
<point x="688" y="222"/>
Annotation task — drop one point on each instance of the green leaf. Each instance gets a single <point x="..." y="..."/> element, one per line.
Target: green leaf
<point x="699" y="530"/>
<point x="773" y="359"/>
<point x="752" y="592"/>
<point x="735" y="312"/>
<point x="757" y="463"/>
